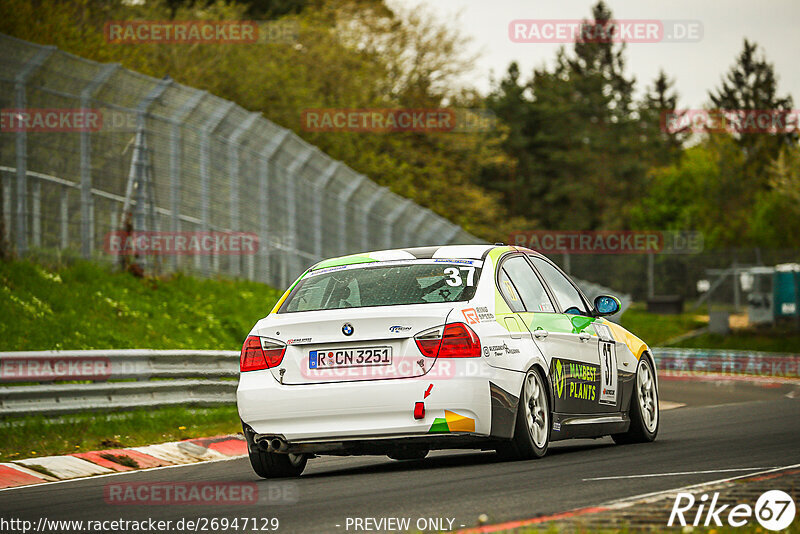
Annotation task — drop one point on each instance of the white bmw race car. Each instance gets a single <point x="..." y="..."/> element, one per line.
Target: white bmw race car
<point x="398" y="352"/>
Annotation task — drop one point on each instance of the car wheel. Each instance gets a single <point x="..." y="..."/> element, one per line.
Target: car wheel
<point x="644" y="407"/>
<point x="408" y="454"/>
<point x="532" y="429"/>
<point x="276" y="465"/>
<point x="271" y="464"/>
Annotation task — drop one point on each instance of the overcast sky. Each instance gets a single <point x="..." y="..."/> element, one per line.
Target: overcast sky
<point x="695" y="66"/>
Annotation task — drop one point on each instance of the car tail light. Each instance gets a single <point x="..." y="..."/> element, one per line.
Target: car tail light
<point x="428" y="341"/>
<point x="261" y="353"/>
<point x="455" y="340"/>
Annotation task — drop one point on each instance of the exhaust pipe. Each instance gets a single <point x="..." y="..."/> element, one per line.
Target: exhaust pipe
<point x="272" y="443"/>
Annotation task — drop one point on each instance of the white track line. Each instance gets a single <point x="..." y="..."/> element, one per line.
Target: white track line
<point x="650" y="475"/>
<point x="655" y="495"/>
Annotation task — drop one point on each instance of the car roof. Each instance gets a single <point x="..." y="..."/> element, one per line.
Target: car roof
<point x="461" y="252"/>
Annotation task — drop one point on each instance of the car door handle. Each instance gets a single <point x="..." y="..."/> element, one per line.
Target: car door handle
<point x="540" y="334"/>
<point x="583" y="336"/>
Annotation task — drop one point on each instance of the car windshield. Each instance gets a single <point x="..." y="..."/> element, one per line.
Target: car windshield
<point x="384" y="284"/>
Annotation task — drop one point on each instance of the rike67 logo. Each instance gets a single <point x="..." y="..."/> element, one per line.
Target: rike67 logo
<point x="774" y="510"/>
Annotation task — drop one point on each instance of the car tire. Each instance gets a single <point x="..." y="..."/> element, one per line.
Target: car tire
<point x="532" y="429"/>
<point x="644" y="412"/>
<point x="418" y="454"/>
<point x="272" y="464"/>
<point x="277" y="465"/>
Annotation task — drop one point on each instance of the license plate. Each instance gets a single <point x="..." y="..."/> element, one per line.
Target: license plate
<point x="336" y="358"/>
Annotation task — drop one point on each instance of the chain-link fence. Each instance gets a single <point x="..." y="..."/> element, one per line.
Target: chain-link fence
<point x="148" y="155"/>
<point x="645" y="276"/>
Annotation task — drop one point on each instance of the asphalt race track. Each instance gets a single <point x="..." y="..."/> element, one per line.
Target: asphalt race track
<point x="731" y="428"/>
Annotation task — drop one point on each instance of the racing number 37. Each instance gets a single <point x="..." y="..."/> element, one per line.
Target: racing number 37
<point x="608" y="373"/>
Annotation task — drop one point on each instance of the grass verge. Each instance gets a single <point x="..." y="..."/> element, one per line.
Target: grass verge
<point x="656" y="329"/>
<point x="83" y="305"/>
<point x="32" y="436"/>
<point x="773" y="340"/>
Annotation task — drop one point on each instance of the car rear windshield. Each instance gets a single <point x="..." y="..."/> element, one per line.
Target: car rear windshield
<point x="384" y="284"/>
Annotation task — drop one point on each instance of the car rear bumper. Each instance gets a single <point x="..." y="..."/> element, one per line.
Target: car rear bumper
<point x="460" y="406"/>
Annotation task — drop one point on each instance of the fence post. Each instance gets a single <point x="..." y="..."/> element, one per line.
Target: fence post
<point x="176" y="121"/>
<point x="294" y="168"/>
<point x="366" y="209"/>
<point x="207" y="129"/>
<point x="392" y="218"/>
<point x="6" y="237"/>
<point x="36" y="208"/>
<point x="263" y="196"/>
<point x="87" y="202"/>
<point x="412" y="225"/>
<point x="319" y="185"/>
<point x="344" y="197"/>
<point x="233" y="171"/>
<point x="64" y="218"/>
<point x="20" y="82"/>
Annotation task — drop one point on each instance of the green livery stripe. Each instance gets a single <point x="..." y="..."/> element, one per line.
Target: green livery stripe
<point x="439" y="425"/>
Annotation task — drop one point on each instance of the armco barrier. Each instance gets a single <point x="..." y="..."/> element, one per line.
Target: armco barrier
<point x="675" y="361"/>
<point x="45" y="382"/>
<point x="59" y="382"/>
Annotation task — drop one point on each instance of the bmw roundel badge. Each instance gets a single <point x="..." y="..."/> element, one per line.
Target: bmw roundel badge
<point x="347" y="329"/>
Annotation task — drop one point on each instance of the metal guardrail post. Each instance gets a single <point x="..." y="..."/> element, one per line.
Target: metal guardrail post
<point x="344" y="198"/>
<point x="87" y="202"/>
<point x="291" y="266"/>
<point x="432" y="237"/>
<point x="412" y="225"/>
<point x="20" y="82"/>
<point x="319" y="186"/>
<point x="366" y="209"/>
<point x="176" y="121"/>
<point x="452" y="235"/>
<point x="233" y="171"/>
<point x="263" y="202"/>
<point x="392" y="219"/>
<point x="208" y="128"/>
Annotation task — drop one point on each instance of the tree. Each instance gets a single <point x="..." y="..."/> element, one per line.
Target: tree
<point x="660" y="103"/>
<point x="573" y="135"/>
<point x="775" y="217"/>
<point x="749" y="85"/>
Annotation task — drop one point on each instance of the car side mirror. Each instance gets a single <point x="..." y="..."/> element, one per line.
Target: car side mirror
<point x="606" y="305"/>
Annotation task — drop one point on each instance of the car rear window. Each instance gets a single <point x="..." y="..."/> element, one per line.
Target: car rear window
<point x="384" y="284"/>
